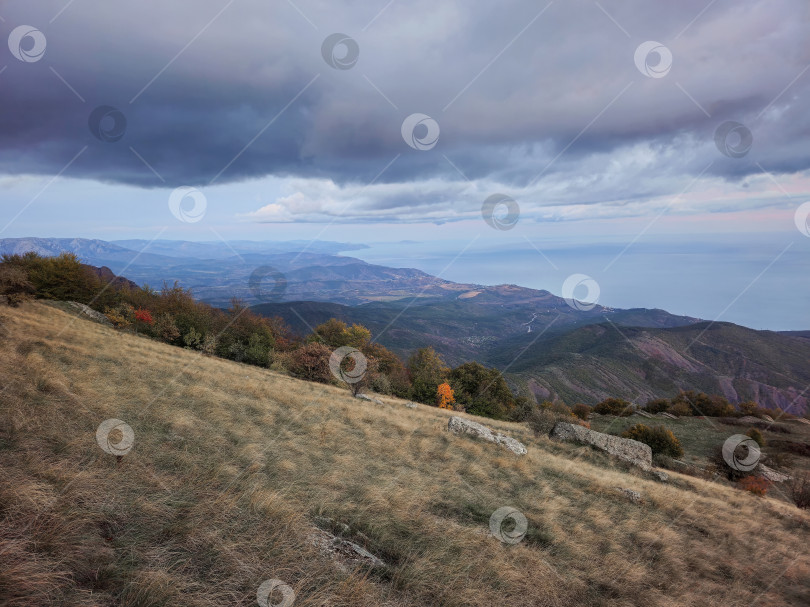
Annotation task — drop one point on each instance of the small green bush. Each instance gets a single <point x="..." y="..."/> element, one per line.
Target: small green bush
<point x="660" y="440"/>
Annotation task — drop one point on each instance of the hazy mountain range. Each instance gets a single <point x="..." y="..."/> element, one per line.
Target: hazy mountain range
<point x="535" y="337"/>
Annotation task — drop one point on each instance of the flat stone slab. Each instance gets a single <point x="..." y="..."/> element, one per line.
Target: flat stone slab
<point x="633" y="451"/>
<point x="459" y="425"/>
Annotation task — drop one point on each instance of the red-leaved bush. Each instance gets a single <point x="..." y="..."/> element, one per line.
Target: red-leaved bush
<point x="143" y="315"/>
<point x="754" y="484"/>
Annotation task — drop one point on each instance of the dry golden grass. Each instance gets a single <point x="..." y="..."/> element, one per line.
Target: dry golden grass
<point x="233" y="464"/>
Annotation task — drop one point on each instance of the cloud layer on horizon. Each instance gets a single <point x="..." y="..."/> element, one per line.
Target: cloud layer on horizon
<point x="540" y="101"/>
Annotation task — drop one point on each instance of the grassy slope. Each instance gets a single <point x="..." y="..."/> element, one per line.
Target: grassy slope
<point x="232" y="464"/>
<point x="700" y="436"/>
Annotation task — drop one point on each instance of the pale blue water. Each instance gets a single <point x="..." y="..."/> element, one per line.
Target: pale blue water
<point x="724" y="277"/>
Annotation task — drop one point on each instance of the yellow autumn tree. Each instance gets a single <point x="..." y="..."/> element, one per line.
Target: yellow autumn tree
<point x="444" y="396"/>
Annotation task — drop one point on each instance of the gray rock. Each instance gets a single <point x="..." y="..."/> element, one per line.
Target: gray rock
<point x="369" y="398"/>
<point x="410" y="405"/>
<point x="772" y="475"/>
<point x="344" y="551"/>
<point x="643" y="413"/>
<point x="89" y="313"/>
<point x="660" y="475"/>
<point x="668" y="415"/>
<point x="634" y="496"/>
<point x="629" y="450"/>
<point x="767" y="418"/>
<point x="459" y="425"/>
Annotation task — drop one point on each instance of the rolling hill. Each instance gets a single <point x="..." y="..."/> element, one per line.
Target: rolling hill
<point x="238" y="473"/>
<point x="539" y="341"/>
<point x="584" y="356"/>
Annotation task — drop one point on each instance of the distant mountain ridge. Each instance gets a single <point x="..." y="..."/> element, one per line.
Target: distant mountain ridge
<point x="537" y="339"/>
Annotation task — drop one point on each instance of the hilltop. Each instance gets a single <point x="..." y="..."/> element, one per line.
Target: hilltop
<point x="236" y="469"/>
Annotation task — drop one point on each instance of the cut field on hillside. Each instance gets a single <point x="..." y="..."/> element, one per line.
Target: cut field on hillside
<point x="234" y="467"/>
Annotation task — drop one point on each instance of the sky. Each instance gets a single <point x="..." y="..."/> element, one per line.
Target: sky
<point x="660" y="148"/>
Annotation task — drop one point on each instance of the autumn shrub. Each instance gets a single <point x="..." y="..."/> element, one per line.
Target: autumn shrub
<point x="121" y="316"/>
<point x="800" y="490"/>
<point x="542" y="421"/>
<point x="755" y="484"/>
<point x="613" y="406"/>
<point x="582" y="411"/>
<point x="444" y="396"/>
<point x="381" y="384"/>
<point x="311" y="361"/>
<point x="144" y="316"/>
<point x="659" y="438"/>
<point x="15" y="287"/>
<point x="689" y="402"/>
<point x="680" y="409"/>
<point x="658" y="405"/>
<point x="165" y="329"/>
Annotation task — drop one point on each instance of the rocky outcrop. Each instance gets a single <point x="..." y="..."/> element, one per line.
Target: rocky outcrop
<point x="772" y="475"/>
<point x="89" y="313"/>
<point x="459" y="425"/>
<point x="633" y="496"/>
<point x="627" y="449"/>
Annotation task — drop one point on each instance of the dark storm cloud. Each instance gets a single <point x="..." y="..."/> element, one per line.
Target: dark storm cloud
<point x="517" y="94"/>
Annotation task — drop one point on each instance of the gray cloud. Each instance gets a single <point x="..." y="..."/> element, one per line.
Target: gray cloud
<point x="563" y="99"/>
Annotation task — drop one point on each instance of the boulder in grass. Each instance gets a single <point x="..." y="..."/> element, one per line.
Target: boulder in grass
<point x="633" y="496"/>
<point x="362" y="396"/>
<point x="633" y="451"/>
<point x="459" y="425"/>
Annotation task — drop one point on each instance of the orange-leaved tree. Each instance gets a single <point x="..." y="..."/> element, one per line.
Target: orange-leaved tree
<point x="444" y="396"/>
